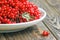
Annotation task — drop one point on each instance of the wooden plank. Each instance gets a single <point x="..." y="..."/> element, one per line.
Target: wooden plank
<point x="2" y="37"/>
<point x="53" y="14"/>
<point x="46" y="7"/>
<point x="52" y="7"/>
<point x="55" y="4"/>
<point x="51" y="37"/>
<point x="32" y="33"/>
<point x="52" y="30"/>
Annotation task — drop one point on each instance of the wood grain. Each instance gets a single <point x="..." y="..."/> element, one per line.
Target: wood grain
<point x="52" y="7"/>
<point x="31" y="33"/>
<point x="52" y="20"/>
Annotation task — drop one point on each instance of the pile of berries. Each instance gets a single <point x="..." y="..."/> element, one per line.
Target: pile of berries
<point x="17" y="11"/>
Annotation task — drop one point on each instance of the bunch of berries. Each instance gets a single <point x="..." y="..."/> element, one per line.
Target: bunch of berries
<point x="17" y="11"/>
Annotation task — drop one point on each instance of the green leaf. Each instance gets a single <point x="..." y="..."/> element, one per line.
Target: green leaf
<point x="26" y="15"/>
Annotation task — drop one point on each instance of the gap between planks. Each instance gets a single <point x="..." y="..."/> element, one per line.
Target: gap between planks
<point x="50" y="29"/>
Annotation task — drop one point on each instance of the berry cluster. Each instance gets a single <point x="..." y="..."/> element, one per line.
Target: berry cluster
<point x="17" y="11"/>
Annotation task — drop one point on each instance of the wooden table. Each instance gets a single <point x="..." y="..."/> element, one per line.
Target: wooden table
<point x="51" y="24"/>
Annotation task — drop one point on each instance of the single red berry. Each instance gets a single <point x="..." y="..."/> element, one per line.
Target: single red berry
<point x="9" y="22"/>
<point x="24" y="20"/>
<point x="22" y="0"/>
<point x="4" y="20"/>
<point x="1" y="18"/>
<point x="45" y="33"/>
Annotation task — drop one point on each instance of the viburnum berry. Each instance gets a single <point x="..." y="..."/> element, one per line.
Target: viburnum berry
<point x="23" y="0"/>
<point x="9" y="21"/>
<point x="45" y="33"/>
<point x="17" y="11"/>
<point x="1" y="18"/>
<point x="0" y="22"/>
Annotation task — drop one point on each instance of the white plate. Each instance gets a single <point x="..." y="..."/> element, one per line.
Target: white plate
<point x="21" y="26"/>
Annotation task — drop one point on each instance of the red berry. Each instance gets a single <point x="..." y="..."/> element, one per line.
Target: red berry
<point x="13" y="9"/>
<point x="23" y="0"/>
<point x="1" y="18"/>
<point x="45" y="33"/>
<point x="0" y="22"/>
